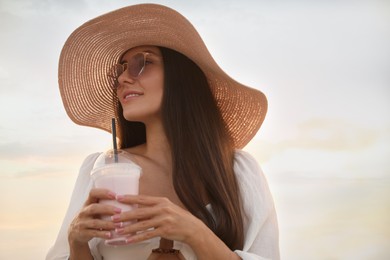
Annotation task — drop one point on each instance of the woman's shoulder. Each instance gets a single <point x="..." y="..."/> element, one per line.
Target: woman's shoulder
<point x="245" y="161"/>
<point x="136" y="153"/>
<point x="89" y="161"/>
<point x="136" y="150"/>
<point x="247" y="169"/>
<point x="87" y="164"/>
<point x="252" y="181"/>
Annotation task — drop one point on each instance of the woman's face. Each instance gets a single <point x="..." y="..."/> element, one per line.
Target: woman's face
<point x="141" y="96"/>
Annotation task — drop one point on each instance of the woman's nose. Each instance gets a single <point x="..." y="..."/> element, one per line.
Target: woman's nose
<point x="124" y="78"/>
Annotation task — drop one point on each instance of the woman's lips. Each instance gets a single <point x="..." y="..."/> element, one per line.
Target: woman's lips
<point x="131" y="94"/>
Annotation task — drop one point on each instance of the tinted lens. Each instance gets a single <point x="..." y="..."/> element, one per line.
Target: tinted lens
<point x="136" y="65"/>
<point x="134" y="68"/>
<point x="116" y="70"/>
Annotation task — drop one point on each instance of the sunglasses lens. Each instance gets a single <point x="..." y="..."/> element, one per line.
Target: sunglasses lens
<point x="134" y="68"/>
<point x="116" y="70"/>
<point x="136" y="64"/>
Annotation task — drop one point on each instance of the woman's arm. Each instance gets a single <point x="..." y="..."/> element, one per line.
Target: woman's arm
<point x="60" y="249"/>
<point x="87" y="224"/>
<point x="208" y="246"/>
<point x="81" y="252"/>
<point x="259" y="215"/>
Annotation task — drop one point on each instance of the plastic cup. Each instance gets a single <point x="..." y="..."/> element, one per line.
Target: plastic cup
<point x="120" y="177"/>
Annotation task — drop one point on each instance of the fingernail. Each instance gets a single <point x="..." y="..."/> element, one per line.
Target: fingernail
<point x="112" y="195"/>
<point x="115" y="217"/>
<point x="119" y="230"/>
<point x="118" y="210"/>
<point x="119" y="224"/>
<point x="129" y="240"/>
<point x="108" y="234"/>
<point x="119" y="197"/>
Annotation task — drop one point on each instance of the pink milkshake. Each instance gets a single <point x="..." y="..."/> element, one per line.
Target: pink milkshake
<point x="121" y="177"/>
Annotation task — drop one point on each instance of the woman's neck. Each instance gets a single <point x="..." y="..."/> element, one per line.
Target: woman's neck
<point x="157" y="147"/>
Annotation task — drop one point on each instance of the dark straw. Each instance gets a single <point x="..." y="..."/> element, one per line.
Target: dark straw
<point x="113" y="127"/>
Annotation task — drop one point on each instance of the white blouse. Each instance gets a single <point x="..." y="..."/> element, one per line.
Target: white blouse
<point x="260" y="221"/>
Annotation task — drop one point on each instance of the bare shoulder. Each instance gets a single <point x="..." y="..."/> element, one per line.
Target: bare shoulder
<point x="138" y="150"/>
<point x="136" y="153"/>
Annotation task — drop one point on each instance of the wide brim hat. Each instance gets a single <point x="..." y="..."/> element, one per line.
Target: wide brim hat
<point x="96" y="45"/>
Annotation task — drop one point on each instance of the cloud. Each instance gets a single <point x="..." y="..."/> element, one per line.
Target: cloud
<point x="17" y="150"/>
<point x="332" y="134"/>
<point x="53" y="147"/>
<point x="34" y="165"/>
<point x="342" y="219"/>
<point x="38" y="172"/>
<point x="324" y="134"/>
<point x="3" y="72"/>
<point x="28" y="7"/>
<point x="33" y="160"/>
<point x="327" y="148"/>
<point x="58" y="151"/>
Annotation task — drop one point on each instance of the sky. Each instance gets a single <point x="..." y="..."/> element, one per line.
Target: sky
<point x="324" y="146"/>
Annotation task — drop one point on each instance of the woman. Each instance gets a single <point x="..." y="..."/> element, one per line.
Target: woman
<point x="182" y="119"/>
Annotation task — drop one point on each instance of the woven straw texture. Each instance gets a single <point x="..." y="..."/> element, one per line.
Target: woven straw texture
<point x="96" y="45"/>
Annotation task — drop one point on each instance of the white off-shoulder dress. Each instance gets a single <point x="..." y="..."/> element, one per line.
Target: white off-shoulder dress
<point x="260" y="221"/>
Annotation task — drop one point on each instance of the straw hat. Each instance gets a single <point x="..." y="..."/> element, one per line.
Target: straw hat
<point x="99" y="43"/>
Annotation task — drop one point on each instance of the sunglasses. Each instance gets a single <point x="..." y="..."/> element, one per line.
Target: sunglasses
<point x="133" y="67"/>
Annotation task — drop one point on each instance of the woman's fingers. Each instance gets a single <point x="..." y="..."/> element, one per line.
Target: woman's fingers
<point x="148" y="229"/>
<point x="141" y="213"/>
<point x="99" y="194"/>
<point x="98" y="233"/>
<point x="84" y="229"/>
<point x="136" y="226"/>
<point x="97" y="224"/>
<point x="142" y="236"/>
<point x="91" y="221"/>
<point x="156" y="217"/>
<point x="85" y="226"/>
<point x="142" y="200"/>
<point x="87" y="234"/>
<point x="150" y="207"/>
<point x="99" y="209"/>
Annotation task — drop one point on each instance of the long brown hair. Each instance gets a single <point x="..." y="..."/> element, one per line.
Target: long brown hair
<point x="201" y="146"/>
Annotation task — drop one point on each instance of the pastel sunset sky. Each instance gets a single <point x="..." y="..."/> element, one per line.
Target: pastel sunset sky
<point x="324" y="146"/>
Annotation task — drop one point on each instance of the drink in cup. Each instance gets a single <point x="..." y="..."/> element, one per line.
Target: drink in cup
<point x="115" y="171"/>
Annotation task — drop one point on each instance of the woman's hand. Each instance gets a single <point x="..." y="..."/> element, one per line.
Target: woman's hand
<point x="88" y="223"/>
<point x="157" y="217"/>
